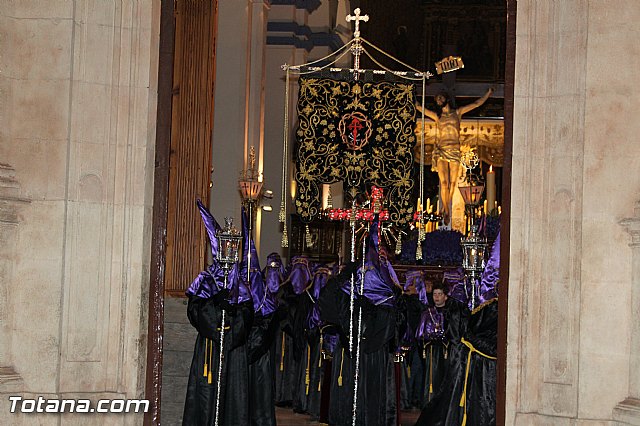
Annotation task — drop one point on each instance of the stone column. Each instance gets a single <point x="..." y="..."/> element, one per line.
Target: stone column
<point x="230" y="107"/>
<point x="545" y="282"/>
<point x="255" y="98"/>
<point x="77" y="122"/>
<point x="628" y="410"/>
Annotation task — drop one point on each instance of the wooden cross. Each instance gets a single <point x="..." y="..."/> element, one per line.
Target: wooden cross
<point x="356" y="17"/>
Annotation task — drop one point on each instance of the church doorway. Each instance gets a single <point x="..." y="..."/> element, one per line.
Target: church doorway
<point x="485" y="40"/>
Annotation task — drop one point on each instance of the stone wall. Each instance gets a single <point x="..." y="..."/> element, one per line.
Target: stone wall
<point x="77" y="123"/>
<point x="575" y="162"/>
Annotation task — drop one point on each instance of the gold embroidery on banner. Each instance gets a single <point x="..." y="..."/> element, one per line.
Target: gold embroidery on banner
<point x="379" y="153"/>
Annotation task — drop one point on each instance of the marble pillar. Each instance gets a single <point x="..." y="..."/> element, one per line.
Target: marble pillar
<point x="571" y="297"/>
<point x="77" y="123"/>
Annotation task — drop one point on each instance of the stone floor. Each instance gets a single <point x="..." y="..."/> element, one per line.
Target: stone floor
<point x="286" y="417"/>
<point x="179" y="338"/>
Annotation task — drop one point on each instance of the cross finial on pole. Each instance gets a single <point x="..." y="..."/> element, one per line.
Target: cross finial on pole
<point x="356" y="17"/>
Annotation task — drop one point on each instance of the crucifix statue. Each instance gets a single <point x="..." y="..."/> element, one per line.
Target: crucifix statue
<point x="446" y="152"/>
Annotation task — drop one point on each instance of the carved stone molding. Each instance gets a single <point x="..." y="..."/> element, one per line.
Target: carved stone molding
<point x="627" y="412"/>
<point x="10" y="199"/>
<point x="632" y="226"/>
<point x="10" y="204"/>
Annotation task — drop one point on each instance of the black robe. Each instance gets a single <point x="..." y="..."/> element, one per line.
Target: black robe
<point x="262" y="370"/>
<point x="308" y="377"/>
<point x="480" y="402"/>
<point x="376" y="399"/>
<point x="433" y="356"/>
<point x="413" y="386"/>
<point x="284" y="367"/>
<point x="200" y="404"/>
<point x="442" y="408"/>
<point x="413" y="380"/>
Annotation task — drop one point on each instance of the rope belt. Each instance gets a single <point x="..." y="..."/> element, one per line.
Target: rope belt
<point x="463" y="399"/>
<point x="282" y="351"/>
<point x="430" y="371"/>
<point x="306" y="373"/>
<point x="340" y="374"/>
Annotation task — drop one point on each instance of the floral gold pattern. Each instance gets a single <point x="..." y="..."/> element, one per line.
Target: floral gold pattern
<point x="384" y="132"/>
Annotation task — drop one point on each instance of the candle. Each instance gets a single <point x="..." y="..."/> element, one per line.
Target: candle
<point x="491" y="188"/>
<point x="485" y="207"/>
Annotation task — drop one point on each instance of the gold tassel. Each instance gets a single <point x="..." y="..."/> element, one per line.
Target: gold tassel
<point x="285" y="238"/>
<point x="282" y="215"/>
<point x="399" y="243"/>
<point x="306" y="374"/>
<point x="308" y="236"/>
<point x="206" y="355"/>
<point x="340" y="374"/>
<point x="419" y="250"/>
<point x="430" y="371"/>
<point x="320" y="364"/>
<point x="209" y="376"/>
<point x="282" y="358"/>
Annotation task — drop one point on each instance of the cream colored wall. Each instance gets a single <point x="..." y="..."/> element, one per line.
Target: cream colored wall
<point x="77" y="121"/>
<point x="575" y="162"/>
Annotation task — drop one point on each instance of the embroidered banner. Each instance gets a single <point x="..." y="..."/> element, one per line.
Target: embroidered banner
<point x="359" y="133"/>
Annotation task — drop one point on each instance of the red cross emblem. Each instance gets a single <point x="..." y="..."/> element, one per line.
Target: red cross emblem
<point x="355" y="130"/>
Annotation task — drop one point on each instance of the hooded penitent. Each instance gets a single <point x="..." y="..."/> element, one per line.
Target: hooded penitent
<point x="238" y="276"/>
<point x="416" y="278"/>
<point x="210" y="281"/>
<point x="377" y="275"/>
<point x="487" y="288"/>
<point x="456" y="282"/>
<point x="249" y="285"/>
<point x="222" y="325"/>
<point x="300" y="274"/>
<point x="321" y="275"/>
<point x="273" y="277"/>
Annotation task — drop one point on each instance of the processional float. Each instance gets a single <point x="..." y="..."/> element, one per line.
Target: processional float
<point x="358" y="130"/>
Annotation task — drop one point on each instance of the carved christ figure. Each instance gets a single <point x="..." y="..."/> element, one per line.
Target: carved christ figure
<point x="446" y="152"/>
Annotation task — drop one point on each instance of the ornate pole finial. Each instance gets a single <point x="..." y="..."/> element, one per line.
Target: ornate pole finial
<point x="356" y="48"/>
<point x="356" y="17"/>
<point x="252" y="158"/>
